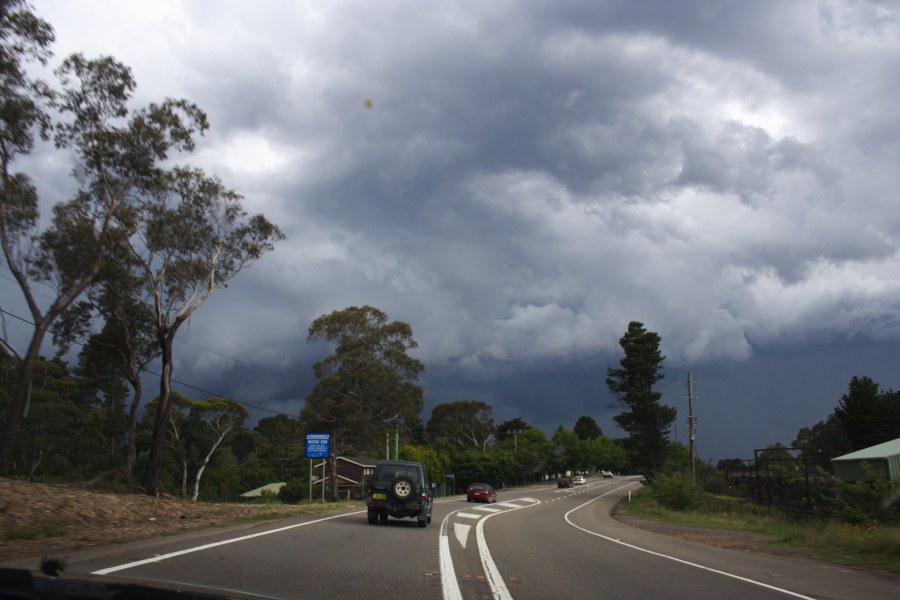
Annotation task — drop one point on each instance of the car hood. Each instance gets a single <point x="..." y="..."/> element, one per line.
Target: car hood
<point x="28" y="584"/>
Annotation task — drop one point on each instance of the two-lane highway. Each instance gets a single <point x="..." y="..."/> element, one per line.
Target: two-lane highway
<point x="541" y="542"/>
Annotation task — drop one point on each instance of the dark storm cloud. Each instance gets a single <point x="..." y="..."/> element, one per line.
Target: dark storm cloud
<point x="528" y="178"/>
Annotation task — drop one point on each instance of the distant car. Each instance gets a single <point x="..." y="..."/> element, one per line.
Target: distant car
<point x="481" y="492"/>
<point x="578" y="480"/>
<point x="607" y="474"/>
<point x="564" y="482"/>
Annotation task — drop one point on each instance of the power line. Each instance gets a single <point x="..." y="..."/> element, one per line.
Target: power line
<point x="149" y="371"/>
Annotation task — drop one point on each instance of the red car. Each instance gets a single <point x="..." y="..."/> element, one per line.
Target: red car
<point x="564" y="482"/>
<point x="481" y="492"/>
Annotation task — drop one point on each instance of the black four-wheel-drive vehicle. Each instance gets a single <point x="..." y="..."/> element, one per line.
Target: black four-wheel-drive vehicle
<point x="399" y="488"/>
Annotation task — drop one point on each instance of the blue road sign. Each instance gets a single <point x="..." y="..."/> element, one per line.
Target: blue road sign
<point x="318" y="445"/>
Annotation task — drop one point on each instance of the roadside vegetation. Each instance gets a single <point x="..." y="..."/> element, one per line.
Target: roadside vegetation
<point x="866" y="543"/>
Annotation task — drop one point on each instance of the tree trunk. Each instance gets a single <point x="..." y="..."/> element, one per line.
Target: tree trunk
<point x="204" y="463"/>
<point x="18" y="409"/>
<point x="131" y="456"/>
<point x="157" y="445"/>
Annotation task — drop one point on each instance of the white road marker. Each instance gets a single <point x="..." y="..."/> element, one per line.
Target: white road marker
<point x="461" y="531"/>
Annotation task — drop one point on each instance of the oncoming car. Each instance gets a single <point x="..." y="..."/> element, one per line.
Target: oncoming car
<point x="481" y="492"/>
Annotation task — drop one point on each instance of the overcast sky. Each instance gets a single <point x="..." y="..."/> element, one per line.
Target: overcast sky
<point x="519" y="180"/>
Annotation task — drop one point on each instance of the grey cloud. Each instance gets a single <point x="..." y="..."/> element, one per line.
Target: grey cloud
<point x="529" y="178"/>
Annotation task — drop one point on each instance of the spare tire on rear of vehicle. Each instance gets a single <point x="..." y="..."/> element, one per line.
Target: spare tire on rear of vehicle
<point x="402" y="488"/>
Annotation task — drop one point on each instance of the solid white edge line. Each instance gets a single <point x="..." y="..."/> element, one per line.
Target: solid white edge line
<point x="163" y="557"/>
<point x="678" y="560"/>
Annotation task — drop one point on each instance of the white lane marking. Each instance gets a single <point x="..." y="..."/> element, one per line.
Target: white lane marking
<point x="466" y="515"/>
<point x="162" y="557"/>
<point x="461" y="531"/>
<point x="666" y="556"/>
<point x="449" y="584"/>
<point x="489" y="509"/>
<point x="495" y="580"/>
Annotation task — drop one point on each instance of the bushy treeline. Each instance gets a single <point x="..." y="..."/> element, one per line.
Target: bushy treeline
<point x="77" y="431"/>
<point x="798" y="479"/>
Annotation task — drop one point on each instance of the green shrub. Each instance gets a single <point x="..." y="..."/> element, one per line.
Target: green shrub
<point x="869" y="502"/>
<point x="676" y="492"/>
<point x="21" y="534"/>
<point x="294" y="491"/>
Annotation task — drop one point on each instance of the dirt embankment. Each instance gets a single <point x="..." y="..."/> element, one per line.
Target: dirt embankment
<point x="49" y="520"/>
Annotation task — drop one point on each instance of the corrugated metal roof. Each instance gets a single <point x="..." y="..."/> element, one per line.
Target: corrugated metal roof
<point x="885" y="450"/>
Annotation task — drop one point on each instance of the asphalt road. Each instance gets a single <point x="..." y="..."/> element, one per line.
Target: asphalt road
<point x="543" y="543"/>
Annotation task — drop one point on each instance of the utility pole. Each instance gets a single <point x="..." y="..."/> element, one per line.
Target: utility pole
<point x="515" y="433"/>
<point x="692" y="425"/>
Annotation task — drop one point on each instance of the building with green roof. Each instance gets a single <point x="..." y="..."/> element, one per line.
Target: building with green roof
<point x="883" y="458"/>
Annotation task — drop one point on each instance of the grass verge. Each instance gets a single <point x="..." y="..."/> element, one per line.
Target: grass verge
<point x="866" y="547"/>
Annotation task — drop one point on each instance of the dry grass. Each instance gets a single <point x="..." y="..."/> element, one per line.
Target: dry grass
<point x="39" y="519"/>
<point x="867" y="547"/>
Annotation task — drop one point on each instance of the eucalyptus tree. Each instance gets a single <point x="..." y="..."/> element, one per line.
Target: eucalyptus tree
<point x="24" y="38"/>
<point x="367" y="387"/>
<point x="125" y="346"/>
<point x="462" y="425"/>
<point x="189" y="237"/>
<point x="220" y="417"/>
<point x="116" y="151"/>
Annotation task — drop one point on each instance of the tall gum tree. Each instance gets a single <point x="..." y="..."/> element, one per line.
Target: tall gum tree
<point x="188" y="239"/>
<point x="116" y="153"/>
<point x="24" y="38"/>
<point x="367" y="387"/>
<point x="462" y="425"/>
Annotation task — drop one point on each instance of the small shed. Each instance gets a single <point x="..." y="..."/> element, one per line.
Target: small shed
<point x="884" y="458"/>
